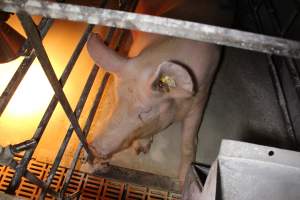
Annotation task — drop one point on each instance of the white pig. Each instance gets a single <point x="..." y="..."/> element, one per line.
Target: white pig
<point x="166" y="80"/>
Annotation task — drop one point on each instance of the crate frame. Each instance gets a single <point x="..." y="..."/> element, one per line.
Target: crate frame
<point x="128" y="20"/>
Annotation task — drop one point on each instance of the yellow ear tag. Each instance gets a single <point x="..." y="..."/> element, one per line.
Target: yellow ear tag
<point x="166" y="82"/>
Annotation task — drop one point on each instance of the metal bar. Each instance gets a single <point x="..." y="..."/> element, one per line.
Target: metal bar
<point x="41" y="54"/>
<point x="291" y="64"/>
<point x="282" y="103"/>
<point x="290" y="23"/>
<point x="258" y="5"/>
<point x="68" y="136"/>
<point x="88" y="121"/>
<point x="276" y="22"/>
<point x="13" y="84"/>
<point x="159" y="25"/>
<point x="278" y="88"/>
<point x="78" y="111"/>
<point x="86" y="130"/>
<point x="140" y="178"/>
<point x="23" y="146"/>
<point x="92" y="113"/>
<point x="273" y="16"/>
<point x="32" y="178"/>
<point x="48" y="113"/>
<point x="294" y="73"/>
<point x="34" y="38"/>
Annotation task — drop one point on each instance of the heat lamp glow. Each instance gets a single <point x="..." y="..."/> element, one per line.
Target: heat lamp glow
<point x="33" y="94"/>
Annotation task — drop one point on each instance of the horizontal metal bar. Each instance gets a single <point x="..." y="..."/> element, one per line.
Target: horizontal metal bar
<point x="145" y="179"/>
<point x="41" y="54"/>
<point x="159" y="25"/>
<point x="18" y="76"/>
<point x="23" y="146"/>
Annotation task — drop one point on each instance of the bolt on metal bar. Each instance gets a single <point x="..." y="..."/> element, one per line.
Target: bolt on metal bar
<point x="277" y="86"/>
<point x="68" y="136"/>
<point x="48" y="113"/>
<point x="159" y="25"/>
<point x="13" y="84"/>
<point x="41" y="54"/>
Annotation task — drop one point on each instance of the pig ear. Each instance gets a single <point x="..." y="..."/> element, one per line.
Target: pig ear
<point x="104" y="56"/>
<point x="174" y="80"/>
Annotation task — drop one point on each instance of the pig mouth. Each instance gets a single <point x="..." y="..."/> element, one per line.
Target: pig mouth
<point x="100" y="162"/>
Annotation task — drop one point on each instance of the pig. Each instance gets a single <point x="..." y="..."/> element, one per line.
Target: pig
<point x="164" y="80"/>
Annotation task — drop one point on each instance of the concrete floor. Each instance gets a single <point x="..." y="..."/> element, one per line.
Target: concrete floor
<point x="242" y="106"/>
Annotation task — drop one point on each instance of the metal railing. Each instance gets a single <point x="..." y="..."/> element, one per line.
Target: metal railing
<point x="37" y="50"/>
<point x="159" y="25"/>
<point x="115" y="19"/>
<point x="280" y="29"/>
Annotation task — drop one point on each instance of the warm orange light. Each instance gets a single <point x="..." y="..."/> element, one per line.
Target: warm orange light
<point x="22" y="116"/>
<point x="33" y="94"/>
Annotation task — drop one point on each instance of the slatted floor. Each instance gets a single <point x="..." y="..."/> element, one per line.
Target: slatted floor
<point x="90" y="187"/>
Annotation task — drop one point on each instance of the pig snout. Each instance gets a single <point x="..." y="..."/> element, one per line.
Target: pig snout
<point x="98" y="162"/>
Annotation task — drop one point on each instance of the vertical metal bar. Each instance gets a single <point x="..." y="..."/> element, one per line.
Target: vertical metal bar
<point x="290" y="23"/>
<point x="273" y="16"/>
<point x="278" y="87"/>
<point x="88" y="123"/>
<point x="276" y="22"/>
<point x="282" y="102"/>
<point x="107" y="40"/>
<point x="78" y="111"/>
<point x="294" y="73"/>
<point x="86" y="130"/>
<point x="13" y="84"/>
<point x="33" y="37"/>
<point x="67" y="137"/>
<point x="48" y="113"/>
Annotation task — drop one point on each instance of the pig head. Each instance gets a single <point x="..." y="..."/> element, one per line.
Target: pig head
<point x="166" y="80"/>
